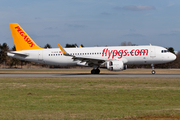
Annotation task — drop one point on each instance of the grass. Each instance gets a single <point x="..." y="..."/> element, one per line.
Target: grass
<point x="88" y="98"/>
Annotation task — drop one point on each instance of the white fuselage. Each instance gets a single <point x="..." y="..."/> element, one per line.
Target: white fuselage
<point x="126" y="54"/>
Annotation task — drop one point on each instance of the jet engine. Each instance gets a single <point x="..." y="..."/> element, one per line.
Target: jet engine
<point x="116" y="66"/>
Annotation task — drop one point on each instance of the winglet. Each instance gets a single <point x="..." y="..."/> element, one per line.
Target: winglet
<point x="62" y="50"/>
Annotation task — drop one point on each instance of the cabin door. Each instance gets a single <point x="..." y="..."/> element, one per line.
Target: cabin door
<point x="40" y="55"/>
<point x="152" y="52"/>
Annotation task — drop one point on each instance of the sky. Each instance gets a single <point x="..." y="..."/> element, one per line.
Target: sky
<point x="93" y="22"/>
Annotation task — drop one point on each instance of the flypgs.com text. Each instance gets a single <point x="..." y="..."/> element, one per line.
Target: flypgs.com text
<point x="121" y="53"/>
<point x="26" y="38"/>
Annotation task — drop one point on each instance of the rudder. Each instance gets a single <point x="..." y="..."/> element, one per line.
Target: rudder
<point x="21" y="39"/>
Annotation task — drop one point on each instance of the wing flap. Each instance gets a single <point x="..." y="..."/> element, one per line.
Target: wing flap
<point x="84" y="59"/>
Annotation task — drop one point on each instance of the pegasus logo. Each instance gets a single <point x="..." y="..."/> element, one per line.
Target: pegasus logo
<point x="26" y="38"/>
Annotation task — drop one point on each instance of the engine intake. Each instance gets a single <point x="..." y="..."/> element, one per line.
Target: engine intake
<point x="116" y="66"/>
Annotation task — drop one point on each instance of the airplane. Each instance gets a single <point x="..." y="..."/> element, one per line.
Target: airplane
<point x="115" y="58"/>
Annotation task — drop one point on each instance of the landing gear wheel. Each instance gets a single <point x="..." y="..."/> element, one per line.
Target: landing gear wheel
<point x="153" y="72"/>
<point x="95" y="71"/>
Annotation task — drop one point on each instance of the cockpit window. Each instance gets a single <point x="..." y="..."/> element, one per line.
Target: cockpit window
<point x="164" y="51"/>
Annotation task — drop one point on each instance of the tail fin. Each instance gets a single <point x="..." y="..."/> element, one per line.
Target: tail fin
<point x="21" y="39"/>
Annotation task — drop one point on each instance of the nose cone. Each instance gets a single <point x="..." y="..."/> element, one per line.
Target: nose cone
<point x="172" y="57"/>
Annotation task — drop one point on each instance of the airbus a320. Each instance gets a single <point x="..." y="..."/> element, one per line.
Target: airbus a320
<point x="115" y="58"/>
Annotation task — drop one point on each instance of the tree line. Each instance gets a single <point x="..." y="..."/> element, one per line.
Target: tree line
<point x="8" y="62"/>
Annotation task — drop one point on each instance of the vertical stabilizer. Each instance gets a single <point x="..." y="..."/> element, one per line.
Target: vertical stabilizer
<point x="21" y="39"/>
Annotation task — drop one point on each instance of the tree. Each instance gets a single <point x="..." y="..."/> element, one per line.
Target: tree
<point x="3" y="53"/>
<point x="14" y="48"/>
<point x="47" y="46"/>
<point x="127" y="44"/>
<point x="82" y="45"/>
<point x="14" y="61"/>
<point x="171" y="49"/>
<point x="70" y="45"/>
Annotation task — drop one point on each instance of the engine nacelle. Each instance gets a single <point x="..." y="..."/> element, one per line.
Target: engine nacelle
<point x="116" y="66"/>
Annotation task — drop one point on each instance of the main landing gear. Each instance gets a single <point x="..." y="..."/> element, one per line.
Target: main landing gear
<point x="153" y="71"/>
<point x="95" y="71"/>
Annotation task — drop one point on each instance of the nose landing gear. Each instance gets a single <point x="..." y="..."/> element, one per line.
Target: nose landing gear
<point x="153" y="71"/>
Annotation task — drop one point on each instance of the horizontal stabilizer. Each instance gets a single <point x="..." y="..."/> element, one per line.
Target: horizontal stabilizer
<point x="19" y="53"/>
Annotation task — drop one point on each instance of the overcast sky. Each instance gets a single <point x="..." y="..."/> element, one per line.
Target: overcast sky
<point x="93" y="22"/>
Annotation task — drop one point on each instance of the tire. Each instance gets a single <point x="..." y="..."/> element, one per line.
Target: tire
<point x="153" y="72"/>
<point x="97" y="71"/>
<point x="93" y="71"/>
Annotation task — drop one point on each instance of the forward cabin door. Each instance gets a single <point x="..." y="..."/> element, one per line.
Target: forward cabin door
<point x="152" y="52"/>
<point x="40" y="55"/>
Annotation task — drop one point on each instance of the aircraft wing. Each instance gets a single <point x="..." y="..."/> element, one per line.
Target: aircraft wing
<point x="89" y="60"/>
<point x="83" y="59"/>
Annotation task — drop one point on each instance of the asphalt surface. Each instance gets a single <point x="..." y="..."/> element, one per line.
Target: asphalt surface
<point x="103" y="75"/>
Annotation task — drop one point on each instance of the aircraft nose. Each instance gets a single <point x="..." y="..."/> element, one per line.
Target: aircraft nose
<point x="173" y="57"/>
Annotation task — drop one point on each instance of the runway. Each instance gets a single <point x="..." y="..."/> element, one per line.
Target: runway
<point x="103" y="75"/>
